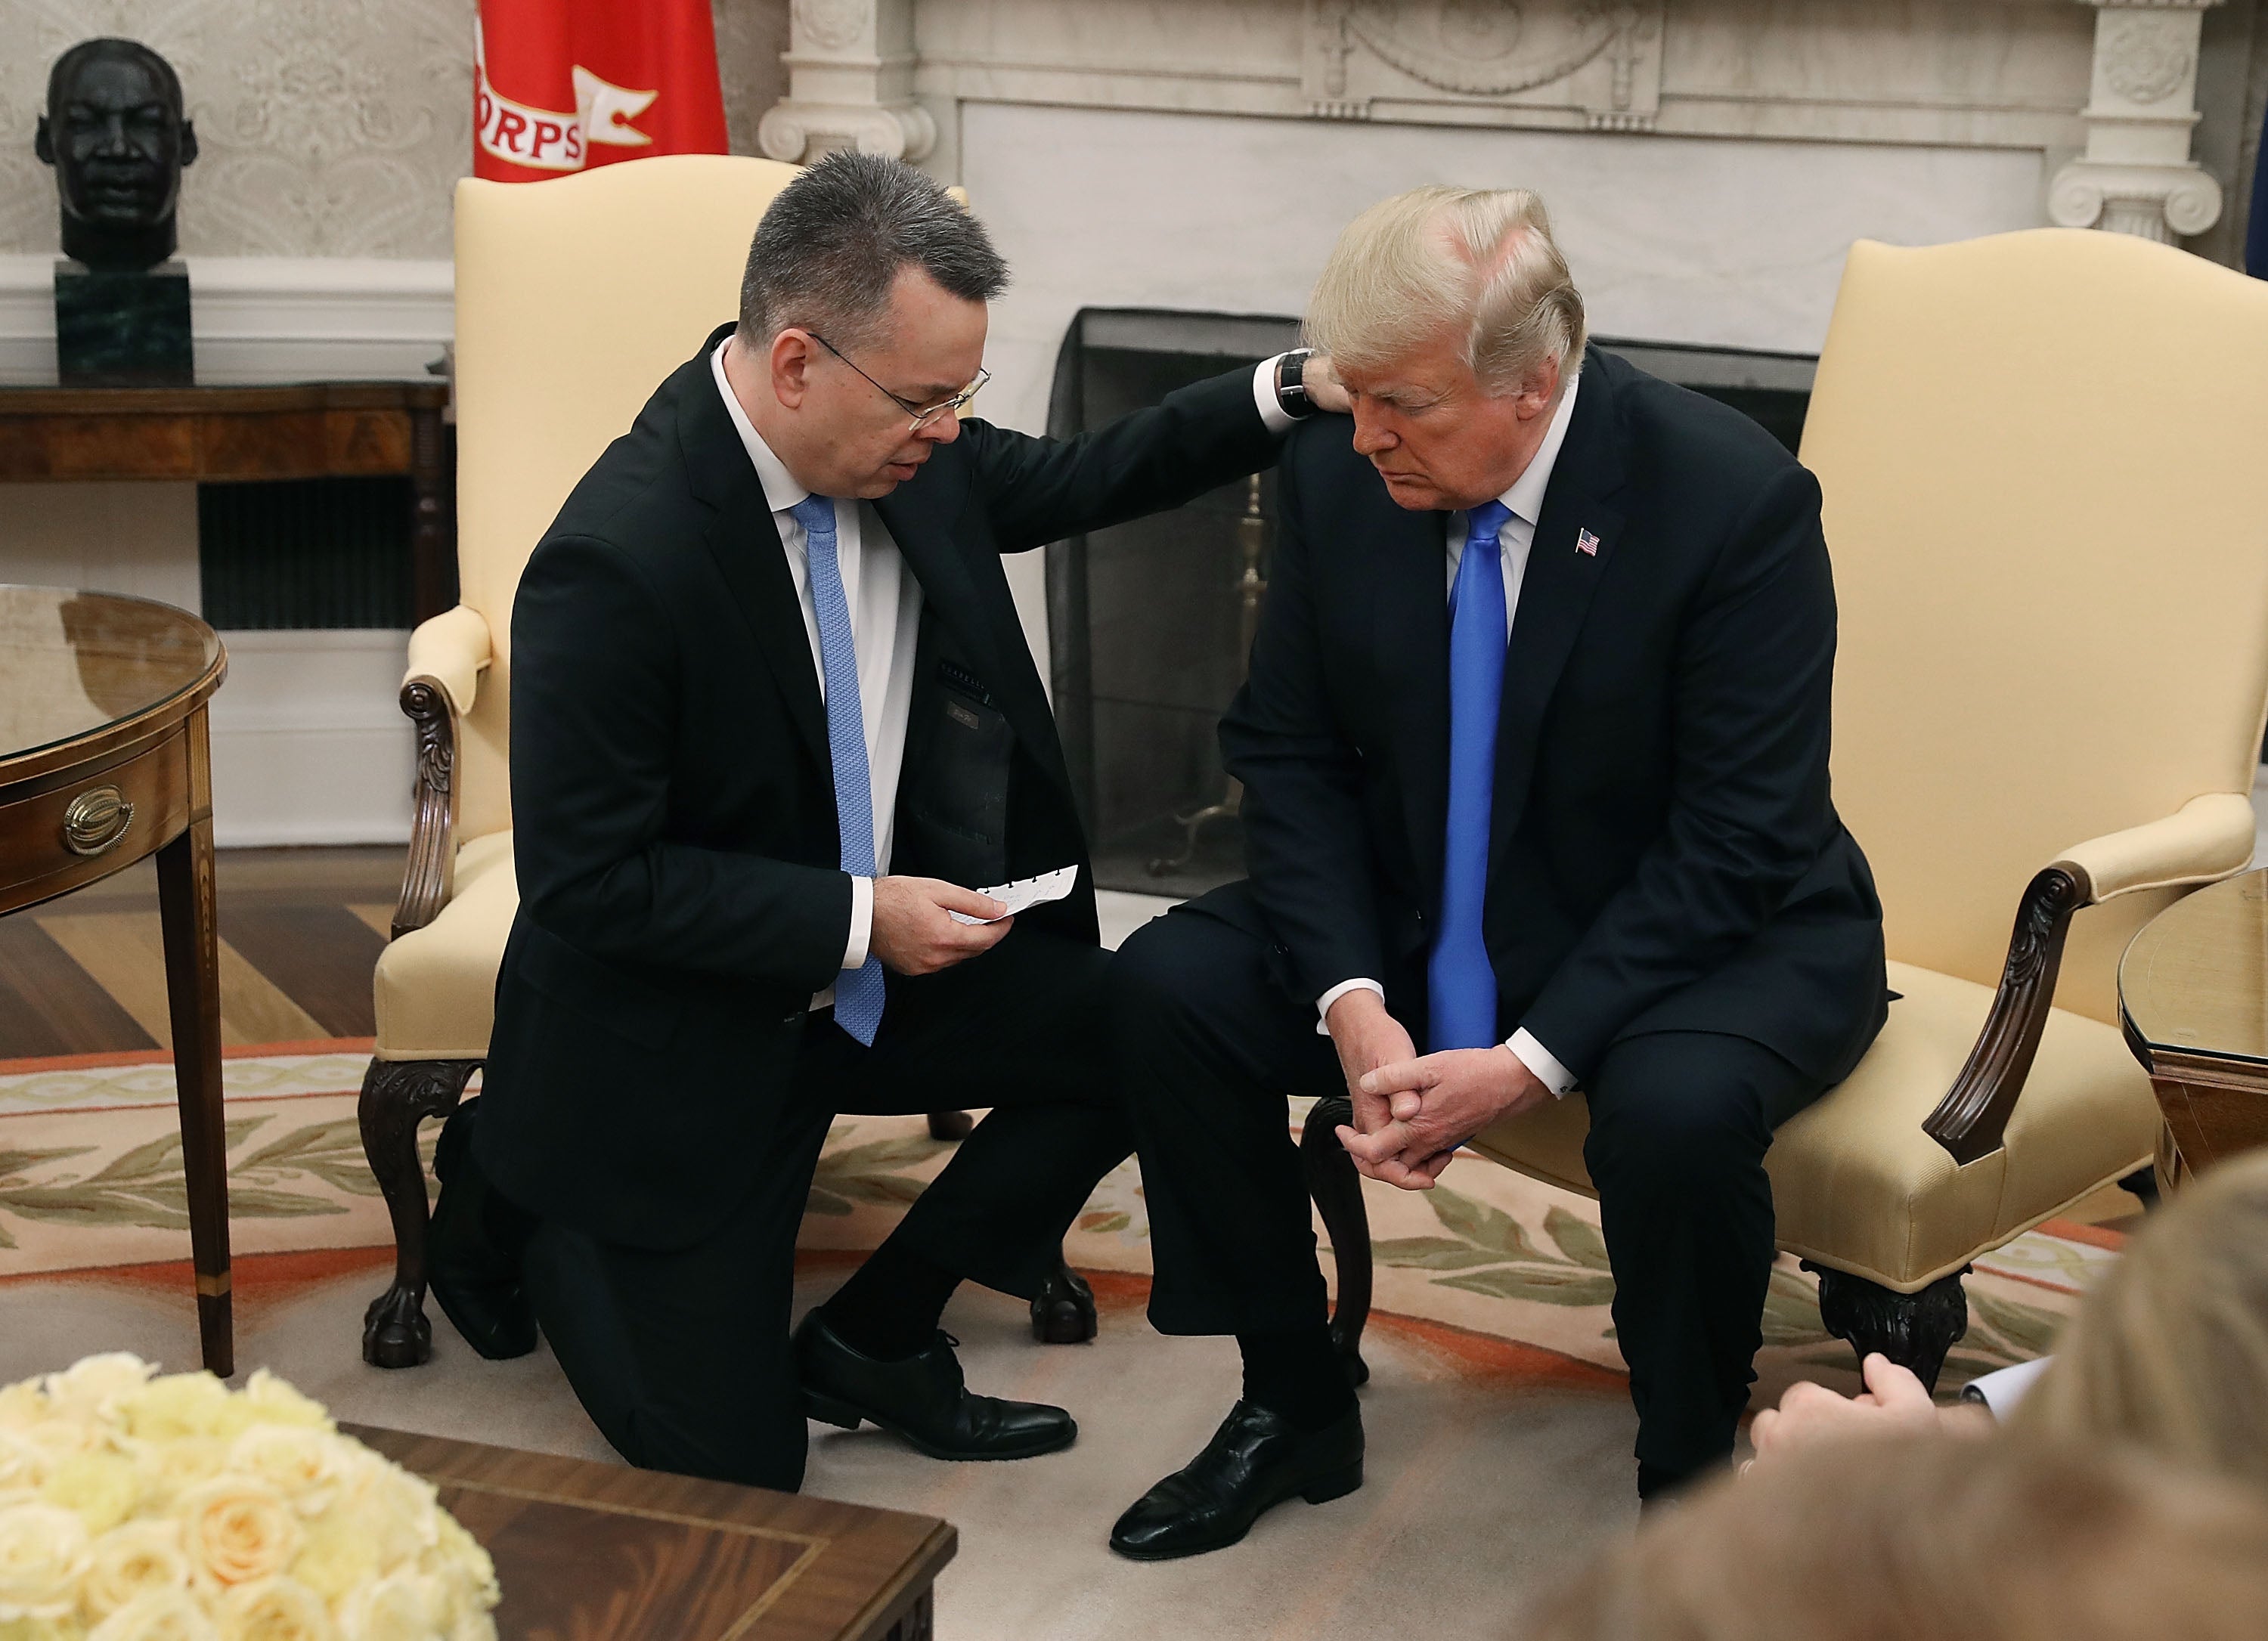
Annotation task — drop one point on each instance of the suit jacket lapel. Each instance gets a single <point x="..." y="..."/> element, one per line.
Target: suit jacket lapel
<point x="1410" y="610"/>
<point x="746" y="545"/>
<point x="915" y="515"/>
<point x="1575" y="538"/>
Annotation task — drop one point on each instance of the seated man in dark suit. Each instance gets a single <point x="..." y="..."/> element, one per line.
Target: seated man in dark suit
<point x="1534" y="757"/>
<point x="773" y="720"/>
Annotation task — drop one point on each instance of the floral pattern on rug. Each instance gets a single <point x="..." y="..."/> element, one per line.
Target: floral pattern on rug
<point x="90" y="1176"/>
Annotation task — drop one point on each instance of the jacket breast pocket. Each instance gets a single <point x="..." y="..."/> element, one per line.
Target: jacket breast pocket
<point x="598" y="993"/>
<point x="958" y="807"/>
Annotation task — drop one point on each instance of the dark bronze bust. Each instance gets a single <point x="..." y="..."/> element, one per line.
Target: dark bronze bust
<point x="116" y="134"/>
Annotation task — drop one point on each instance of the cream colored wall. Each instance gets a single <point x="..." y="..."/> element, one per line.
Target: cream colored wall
<point x="329" y="128"/>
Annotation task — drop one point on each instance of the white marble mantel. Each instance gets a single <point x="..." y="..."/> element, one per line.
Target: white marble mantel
<point x="1707" y="162"/>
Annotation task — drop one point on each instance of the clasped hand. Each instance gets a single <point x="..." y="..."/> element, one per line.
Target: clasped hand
<point x="1412" y="1111"/>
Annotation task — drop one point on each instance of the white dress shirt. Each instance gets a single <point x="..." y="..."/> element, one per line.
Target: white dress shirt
<point x="884" y="604"/>
<point x="1524" y="501"/>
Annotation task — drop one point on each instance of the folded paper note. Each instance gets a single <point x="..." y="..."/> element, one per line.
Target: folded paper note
<point x="1026" y="892"/>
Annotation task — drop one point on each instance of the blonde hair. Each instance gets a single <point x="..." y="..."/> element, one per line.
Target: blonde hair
<point x="1441" y="257"/>
<point x="1936" y="1538"/>
<point x="2170" y="1348"/>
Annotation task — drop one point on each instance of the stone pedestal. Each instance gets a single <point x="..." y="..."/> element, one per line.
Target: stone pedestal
<point x="122" y="330"/>
<point x="2137" y="176"/>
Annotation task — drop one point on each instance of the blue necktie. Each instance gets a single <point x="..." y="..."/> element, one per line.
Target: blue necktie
<point x="858" y="992"/>
<point x="1461" y="982"/>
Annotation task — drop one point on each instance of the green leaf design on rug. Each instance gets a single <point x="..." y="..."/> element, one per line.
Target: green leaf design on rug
<point x="16" y="1165"/>
<point x="143" y="1188"/>
<point x="1487" y="1228"/>
<point x="1492" y="1253"/>
<point x="329" y="1152"/>
<point x="870" y="1173"/>
<point x="1549" y="1284"/>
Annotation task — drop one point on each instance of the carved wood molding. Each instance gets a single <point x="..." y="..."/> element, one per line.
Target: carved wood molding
<point x="430" y="873"/>
<point x="1971" y="1118"/>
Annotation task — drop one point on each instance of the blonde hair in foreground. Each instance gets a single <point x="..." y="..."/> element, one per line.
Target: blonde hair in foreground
<point x="1937" y="1539"/>
<point x="1483" y="259"/>
<point x="2170" y="1350"/>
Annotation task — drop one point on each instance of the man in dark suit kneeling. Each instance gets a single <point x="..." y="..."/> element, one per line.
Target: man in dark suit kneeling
<point x="773" y="720"/>
<point x="1535" y="756"/>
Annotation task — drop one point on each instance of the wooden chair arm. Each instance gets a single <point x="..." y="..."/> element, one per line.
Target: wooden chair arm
<point x="2207" y="838"/>
<point x="429" y="877"/>
<point x="447" y="655"/>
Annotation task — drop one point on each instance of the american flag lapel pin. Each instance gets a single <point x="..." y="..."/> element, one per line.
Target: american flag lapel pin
<point x="1588" y="544"/>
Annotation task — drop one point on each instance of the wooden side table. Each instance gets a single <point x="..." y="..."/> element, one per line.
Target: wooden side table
<point x="302" y="430"/>
<point x="104" y="761"/>
<point x="600" y="1553"/>
<point x="2193" y="997"/>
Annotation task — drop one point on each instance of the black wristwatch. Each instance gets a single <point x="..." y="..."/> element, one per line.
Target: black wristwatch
<point x="1292" y="385"/>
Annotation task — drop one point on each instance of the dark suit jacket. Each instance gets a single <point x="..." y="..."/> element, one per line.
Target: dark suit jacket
<point x="1665" y="854"/>
<point x="673" y="800"/>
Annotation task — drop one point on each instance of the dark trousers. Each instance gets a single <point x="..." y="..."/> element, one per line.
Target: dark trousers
<point x="682" y="1358"/>
<point x="1210" y="1045"/>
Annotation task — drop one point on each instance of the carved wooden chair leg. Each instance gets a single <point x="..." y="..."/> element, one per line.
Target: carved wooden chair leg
<point x="1337" y="1190"/>
<point x="1915" y="1330"/>
<point x="950" y="1124"/>
<point x="396" y="1096"/>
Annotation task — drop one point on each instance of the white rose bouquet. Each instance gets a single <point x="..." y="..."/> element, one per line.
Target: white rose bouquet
<point x="136" y="1508"/>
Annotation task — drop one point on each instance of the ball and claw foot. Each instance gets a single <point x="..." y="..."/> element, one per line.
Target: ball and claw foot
<point x="395" y="1331"/>
<point x="1062" y="1311"/>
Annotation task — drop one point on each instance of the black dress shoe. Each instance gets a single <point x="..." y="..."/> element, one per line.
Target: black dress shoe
<point x="473" y="1250"/>
<point x="921" y="1399"/>
<point x="1062" y="1311"/>
<point x="1256" y="1460"/>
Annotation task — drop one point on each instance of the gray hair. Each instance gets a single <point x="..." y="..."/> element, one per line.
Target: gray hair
<point x="1482" y="259"/>
<point x="829" y="249"/>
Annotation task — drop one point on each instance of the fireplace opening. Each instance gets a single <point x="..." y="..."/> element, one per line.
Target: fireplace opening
<point x="1150" y="621"/>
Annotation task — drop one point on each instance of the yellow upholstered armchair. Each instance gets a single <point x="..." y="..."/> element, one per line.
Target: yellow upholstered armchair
<point x="575" y="298"/>
<point x="2047" y="507"/>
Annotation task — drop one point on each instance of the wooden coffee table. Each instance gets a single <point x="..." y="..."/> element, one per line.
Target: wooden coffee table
<point x="105" y="761"/>
<point x="2193" y="997"/>
<point x="595" y="1552"/>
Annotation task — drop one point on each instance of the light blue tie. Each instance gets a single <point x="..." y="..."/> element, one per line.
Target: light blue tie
<point x="1461" y="982"/>
<point x="858" y="992"/>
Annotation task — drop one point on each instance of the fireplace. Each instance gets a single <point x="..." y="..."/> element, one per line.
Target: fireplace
<point x="1152" y="620"/>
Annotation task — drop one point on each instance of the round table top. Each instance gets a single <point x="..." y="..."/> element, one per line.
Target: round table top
<point x="73" y="664"/>
<point x="2195" y="980"/>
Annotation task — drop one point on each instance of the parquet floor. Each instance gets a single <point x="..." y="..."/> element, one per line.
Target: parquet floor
<point x="300" y="930"/>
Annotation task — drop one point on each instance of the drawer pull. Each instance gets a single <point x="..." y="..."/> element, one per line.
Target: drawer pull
<point x="96" y="821"/>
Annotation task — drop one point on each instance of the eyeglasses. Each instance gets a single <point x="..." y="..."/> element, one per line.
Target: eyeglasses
<point x="923" y="414"/>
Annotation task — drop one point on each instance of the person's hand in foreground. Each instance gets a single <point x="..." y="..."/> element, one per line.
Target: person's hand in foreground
<point x="1433" y="1104"/>
<point x="914" y="933"/>
<point x="1893" y="1404"/>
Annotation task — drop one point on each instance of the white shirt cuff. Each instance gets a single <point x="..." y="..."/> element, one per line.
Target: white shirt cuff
<point x="1540" y="1060"/>
<point x="862" y="922"/>
<point x="1323" y="1004"/>
<point x="1273" y="417"/>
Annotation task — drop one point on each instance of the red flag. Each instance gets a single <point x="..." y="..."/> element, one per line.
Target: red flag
<point x="561" y="84"/>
